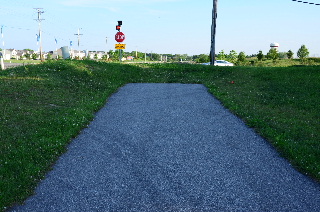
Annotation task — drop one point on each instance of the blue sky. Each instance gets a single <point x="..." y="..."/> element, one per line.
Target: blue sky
<point x="163" y="26"/>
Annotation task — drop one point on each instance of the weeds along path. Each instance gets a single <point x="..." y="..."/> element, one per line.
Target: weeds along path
<point x="171" y="147"/>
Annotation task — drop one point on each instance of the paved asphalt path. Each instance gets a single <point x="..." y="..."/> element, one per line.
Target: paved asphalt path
<point x="11" y="65"/>
<point x="171" y="147"/>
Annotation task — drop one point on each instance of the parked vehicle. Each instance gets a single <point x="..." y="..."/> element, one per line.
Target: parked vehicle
<point x="220" y="63"/>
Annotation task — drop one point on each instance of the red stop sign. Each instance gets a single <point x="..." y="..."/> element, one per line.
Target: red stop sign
<point x="120" y="37"/>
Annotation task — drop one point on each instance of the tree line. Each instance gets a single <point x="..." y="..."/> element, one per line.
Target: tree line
<point x="273" y="54"/>
<point x="232" y="56"/>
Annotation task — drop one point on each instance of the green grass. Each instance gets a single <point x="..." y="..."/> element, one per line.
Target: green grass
<point x="253" y="61"/>
<point x="44" y="106"/>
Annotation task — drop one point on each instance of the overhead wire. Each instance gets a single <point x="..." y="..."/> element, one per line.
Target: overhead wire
<point x="306" y="2"/>
<point x="52" y="31"/>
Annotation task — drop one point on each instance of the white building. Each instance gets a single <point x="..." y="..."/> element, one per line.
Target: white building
<point x="9" y="53"/>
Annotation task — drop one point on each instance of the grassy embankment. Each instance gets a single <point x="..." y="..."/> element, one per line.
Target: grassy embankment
<point x="44" y="106"/>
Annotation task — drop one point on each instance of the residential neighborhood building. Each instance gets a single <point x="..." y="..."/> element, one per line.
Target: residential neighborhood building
<point x="9" y="54"/>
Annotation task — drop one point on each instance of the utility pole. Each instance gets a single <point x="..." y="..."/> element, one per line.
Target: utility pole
<point x="78" y="34"/>
<point x="40" y="33"/>
<point x="136" y="52"/>
<point x="3" y="54"/>
<point x="106" y="44"/>
<point x="213" y="32"/>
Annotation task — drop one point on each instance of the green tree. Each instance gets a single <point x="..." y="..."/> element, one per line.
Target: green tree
<point x="104" y="57"/>
<point x="184" y="57"/>
<point x="27" y="56"/>
<point x="221" y="55"/>
<point x="156" y="56"/>
<point x="260" y="55"/>
<point x="232" y="56"/>
<point x="202" y="58"/>
<point x="111" y="54"/>
<point x="140" y="55"/>
<point x="49" y="56"/>
<point x="303" y="53"/>
<point x="273" y="54"/>
<point x="34" y="56"/>
<point x="290" y="54"/>
<point x="242" y="57"/>
<point x="116" y="55"/>
<point x="282" y="55"/>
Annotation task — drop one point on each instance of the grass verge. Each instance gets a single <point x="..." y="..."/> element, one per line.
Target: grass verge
<point x="44" y="106"/>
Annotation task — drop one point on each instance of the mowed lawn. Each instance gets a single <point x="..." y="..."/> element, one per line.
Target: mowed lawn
<point x="42" y="107"/>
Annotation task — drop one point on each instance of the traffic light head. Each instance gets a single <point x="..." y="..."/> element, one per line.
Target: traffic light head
<point x="118" y="28"/>
<point x="119" y="23"/>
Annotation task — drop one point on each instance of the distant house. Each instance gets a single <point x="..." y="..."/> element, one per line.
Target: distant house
<point x="21" y="54"/>
<point x="78" y="54"/>
<point x="56" y="54"/>
<point x="130" y="58"/>
<point x="97" y="54"/>
<point x="9" y="53"/>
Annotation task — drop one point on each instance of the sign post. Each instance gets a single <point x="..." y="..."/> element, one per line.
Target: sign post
<point x="120" y="37"/>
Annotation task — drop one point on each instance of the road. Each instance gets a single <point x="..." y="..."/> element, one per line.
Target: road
<point x="171" y="147"/>
<point x="11" y="65"/>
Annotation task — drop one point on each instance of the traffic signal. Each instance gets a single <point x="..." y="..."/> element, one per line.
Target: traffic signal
<point x="118" y="27"/>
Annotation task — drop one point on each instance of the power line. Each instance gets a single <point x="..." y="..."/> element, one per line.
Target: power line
<point x="306" y="2"/>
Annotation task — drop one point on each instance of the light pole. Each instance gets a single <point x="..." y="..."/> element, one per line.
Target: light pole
<point x="106" y="52"/>
<point x="213" y="32"/>
<point x="78" y="34"/>
<point x="40" y="31"/>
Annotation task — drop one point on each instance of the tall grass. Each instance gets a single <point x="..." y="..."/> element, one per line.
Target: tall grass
<point x="44" y="106"/>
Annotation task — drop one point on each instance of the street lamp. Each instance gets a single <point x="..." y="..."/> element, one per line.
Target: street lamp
<point x="213" y="32"/>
